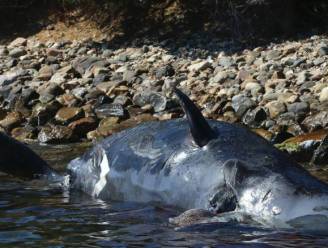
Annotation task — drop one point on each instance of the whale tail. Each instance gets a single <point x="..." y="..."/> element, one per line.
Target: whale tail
<point x="18" y="160"/>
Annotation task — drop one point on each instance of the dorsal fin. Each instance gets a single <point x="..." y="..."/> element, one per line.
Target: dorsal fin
<point x="199" y="127"/>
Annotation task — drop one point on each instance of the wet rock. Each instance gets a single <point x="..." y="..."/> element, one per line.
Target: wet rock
<point x="263" y="133"/>
<point x="156" y="100"/>
<point x="93" y="135"/>
<point x="42" y="113"/>
<point x="281" y="137"/>
<point x="24" y="133"/>
<point x="68" y="114"/>
<point x="83" y="126"/>
<point x="55" y="135"/>
<point x="17" y="52"/>
<point x="191" y="217"/>
<point x="107" y="126"/>
<point x="241" y="103"/>
<point x="12" y="120"/>
<point x="320" y="156"/>
<point x="303" y="146"/>
<point x="254" y="118"/>
<point x="112" y="109"/>
<point x="275" y="108"/>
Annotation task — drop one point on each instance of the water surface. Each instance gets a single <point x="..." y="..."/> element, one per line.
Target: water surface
<point x="35" y="215"/>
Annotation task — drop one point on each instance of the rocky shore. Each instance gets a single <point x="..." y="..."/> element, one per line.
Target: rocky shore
<point x="82" y="90"/>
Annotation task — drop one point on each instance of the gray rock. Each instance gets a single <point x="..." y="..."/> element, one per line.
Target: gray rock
<point x="164" y="71"/>
<point x="319" y="61"/>
<point x="241" y="103"/>
<point x="129" y="76"/>
<point x="273" y="54"/>
<point x="299" y="108"/>
<point x="79" y="92"/>
<point x="156" y="100"/>
<point x="63" y="74"/>
<point x="220" y="77"/>
<point x="226" y="61"/>
<point x="323" y="51"/>
<point x="17" y="52"/>
<point x="10" y="77"/>
<point x="81" y="65"/>
<point x="303" y="77"/>
<point x="316" y="121"/>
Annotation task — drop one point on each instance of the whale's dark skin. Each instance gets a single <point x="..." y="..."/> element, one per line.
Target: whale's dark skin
<point x="197" y="163"/>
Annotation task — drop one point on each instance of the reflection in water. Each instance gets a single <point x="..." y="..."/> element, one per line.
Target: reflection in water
<point x="35" y="215"/>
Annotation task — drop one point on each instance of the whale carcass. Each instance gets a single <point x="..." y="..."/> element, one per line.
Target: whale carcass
<point x="189" y="163"/>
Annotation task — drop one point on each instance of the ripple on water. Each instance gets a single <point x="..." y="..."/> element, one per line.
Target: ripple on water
<point x="38" y="216"/>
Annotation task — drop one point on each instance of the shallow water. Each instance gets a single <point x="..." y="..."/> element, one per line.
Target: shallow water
<point x="34" y="215"/>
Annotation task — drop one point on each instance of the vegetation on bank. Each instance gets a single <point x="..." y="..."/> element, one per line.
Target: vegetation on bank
<point x="238" y="19"/>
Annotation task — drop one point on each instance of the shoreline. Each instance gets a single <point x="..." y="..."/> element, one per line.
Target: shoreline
<point x="59" y="92"/>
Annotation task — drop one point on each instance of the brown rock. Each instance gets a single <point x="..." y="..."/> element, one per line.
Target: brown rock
<point x="82" y="126"/>
<point x="11" y="121"/>
<point x="275" y="108"/>
<point x="45" y="73"/>
<point x="53" y="52"/>
<point x="68" y="114"/>
<point x="107" y="126"/>
<point x="68" y="100"/>
<point x="263" y="133"/>
<point x="23" y="133"/>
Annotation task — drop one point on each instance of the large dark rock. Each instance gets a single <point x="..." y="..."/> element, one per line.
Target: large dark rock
<point x="254" y="118"/>
<point x="112" y="109"/>
<point x="320" y="156"/>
